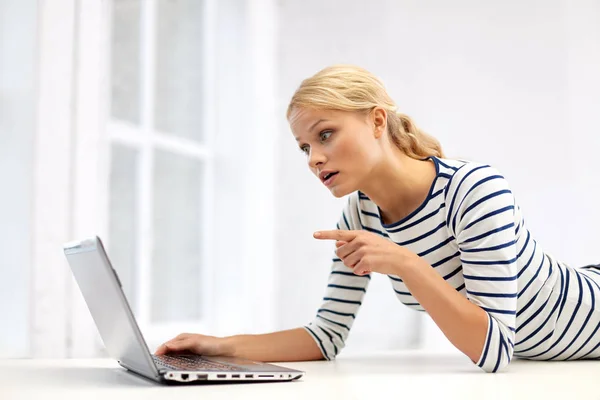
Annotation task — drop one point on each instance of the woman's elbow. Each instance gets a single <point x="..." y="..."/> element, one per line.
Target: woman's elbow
<point x="493" y="368"/>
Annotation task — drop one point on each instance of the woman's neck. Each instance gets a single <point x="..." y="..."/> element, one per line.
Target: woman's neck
<point x="399" y="185"/>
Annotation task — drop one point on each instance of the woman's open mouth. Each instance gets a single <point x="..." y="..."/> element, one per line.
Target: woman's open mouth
<point x="329" y="178"/>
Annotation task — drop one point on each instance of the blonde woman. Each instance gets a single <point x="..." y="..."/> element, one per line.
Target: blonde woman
<point x="447" y="233"/>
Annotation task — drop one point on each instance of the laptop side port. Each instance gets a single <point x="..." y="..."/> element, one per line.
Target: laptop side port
<point x="235" y="375"/>
<point x="185" y="377"/>
<point x="202" y="376"/>
<point x="221" y="376"/>
<point x="249" y="375"/>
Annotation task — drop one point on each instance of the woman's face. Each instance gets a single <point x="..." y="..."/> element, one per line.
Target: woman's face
<point x="341" y="147"/>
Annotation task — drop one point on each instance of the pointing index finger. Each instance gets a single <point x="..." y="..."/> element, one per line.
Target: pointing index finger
<point x="335" y="235"/>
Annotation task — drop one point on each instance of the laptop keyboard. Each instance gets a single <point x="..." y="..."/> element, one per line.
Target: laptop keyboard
<point x="191" y="363"/>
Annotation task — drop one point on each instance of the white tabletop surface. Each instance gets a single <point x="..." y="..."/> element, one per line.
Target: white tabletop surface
<point x="400" y="375"/>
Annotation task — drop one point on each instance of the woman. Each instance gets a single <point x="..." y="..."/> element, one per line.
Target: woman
<point x="447" y="233"/>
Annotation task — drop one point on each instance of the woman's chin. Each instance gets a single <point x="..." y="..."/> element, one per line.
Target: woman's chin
<point x="338" y="192"/>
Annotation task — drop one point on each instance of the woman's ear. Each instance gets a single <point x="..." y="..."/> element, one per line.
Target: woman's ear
<point x="379" y="118"/>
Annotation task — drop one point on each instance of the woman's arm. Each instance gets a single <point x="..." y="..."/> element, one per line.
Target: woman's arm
<point x="343" y="295"/>
<point x="481" y="326"/>
<point x="481" y="217"/>
<point x="462" y="322"/>
<point x="289" y="345"/>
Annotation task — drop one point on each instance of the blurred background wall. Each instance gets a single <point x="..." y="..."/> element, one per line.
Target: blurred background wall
<point x="160" y="125"/>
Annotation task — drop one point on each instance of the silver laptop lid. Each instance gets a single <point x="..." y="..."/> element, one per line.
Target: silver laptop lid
<point x="101" y="289"/>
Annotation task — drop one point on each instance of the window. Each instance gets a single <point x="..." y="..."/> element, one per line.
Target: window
<point x="161" y="162"/>
<point x="156" y="120"/>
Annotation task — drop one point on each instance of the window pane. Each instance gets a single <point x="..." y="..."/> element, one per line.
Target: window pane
<point x="125" y="61"/>
<point x="177" y="238"/>
<point x="123" y="218"/>
<point x="179" y="70"/>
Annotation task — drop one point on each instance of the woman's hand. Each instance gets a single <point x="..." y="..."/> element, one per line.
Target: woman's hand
<point x="367" y="252"/>
<point x="195" y="343"/>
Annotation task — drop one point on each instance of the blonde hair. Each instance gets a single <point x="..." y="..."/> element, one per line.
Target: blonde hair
<point x="351" y="88"/>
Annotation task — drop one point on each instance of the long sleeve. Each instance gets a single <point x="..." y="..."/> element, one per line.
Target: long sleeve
<point x="481" y="216"/>
<point x="343" y="296"/>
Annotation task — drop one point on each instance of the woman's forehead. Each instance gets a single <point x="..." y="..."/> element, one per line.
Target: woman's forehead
<point x="303" y="121"/>
<point x="304" y="118"/>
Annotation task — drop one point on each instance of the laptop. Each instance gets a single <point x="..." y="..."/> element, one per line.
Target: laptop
<point x="102" y="291"/>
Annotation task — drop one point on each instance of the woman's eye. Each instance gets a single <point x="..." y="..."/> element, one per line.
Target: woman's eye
<point x="304" y="149"/>
<point x="325" y="135"/>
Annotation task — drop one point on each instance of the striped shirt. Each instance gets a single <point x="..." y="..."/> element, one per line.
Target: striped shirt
<point x="471" y="231"/>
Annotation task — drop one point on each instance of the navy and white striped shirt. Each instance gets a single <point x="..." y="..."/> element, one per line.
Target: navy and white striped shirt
<point x="471" y="231"/>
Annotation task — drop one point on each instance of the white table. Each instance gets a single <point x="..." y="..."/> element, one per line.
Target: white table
<point x="406" y="375"/>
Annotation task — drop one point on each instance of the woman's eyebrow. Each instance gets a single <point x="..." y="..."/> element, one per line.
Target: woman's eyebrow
<point x="312" y="127"/>
<point x="317" y="123"/>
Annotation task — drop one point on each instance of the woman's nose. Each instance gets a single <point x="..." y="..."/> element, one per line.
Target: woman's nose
<point x="315" y="158"/>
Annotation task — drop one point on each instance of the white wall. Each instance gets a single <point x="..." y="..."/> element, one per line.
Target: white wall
<point x="512" y="83"/>
<point x="583" y="113"/>
<point x="244" y="91"/>
<point x="18" y="40"/>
